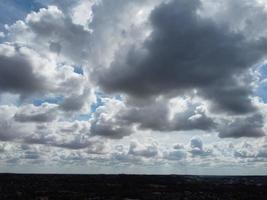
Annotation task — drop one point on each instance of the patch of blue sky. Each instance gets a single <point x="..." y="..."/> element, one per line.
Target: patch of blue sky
<point x="13" y="10"/>
<point x="262" y="92"/>
<point x="78" y="70"/>
<point x="83" y="117"/>
<point x="52" y="100"/>
<point x="10" y="99"/>
<point x="262" y="89"/>
<point x="118" y="97"/>
<point x="263" y="70"/>
<point x="97" y="104"/>
<point x="94" y="106"/>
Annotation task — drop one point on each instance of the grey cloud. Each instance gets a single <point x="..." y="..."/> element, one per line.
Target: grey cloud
<point x="196" y="143"/>
<point x="251" y="126"/>
<point x="39" y="139"/>
<point x="64" y="5"/>
<point x="192" y="119"/>
<point x="137" y="154"/>
<point x="68" y="39"/>
<point x="38" y="118"/>
<point x="109" y="129"/>
<point x="8" y="132"/>
<point x="156" y="117"/>
<point x="251" y="152"/>
<point x="147" y="152"/>
<point x="175" y="155"/>
<point x="186" y="52"/>
<point x="105" y="122"/>
<point x="197" y="148"/>
<point x="75" y="102"/>
<point x="75" y="142"/>
<point x="126" y="158"/>
<point x="151" y="116"/>
<point x="262" y="153"/>
<point x="70" y="129"/>
<point x="178" y="146"/>
<point x="55" y="47"/>
<point x="16" y="72"/>
<point x="32" y="155"/>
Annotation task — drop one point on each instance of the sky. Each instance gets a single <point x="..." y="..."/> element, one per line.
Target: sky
<point x="133" y="86"/>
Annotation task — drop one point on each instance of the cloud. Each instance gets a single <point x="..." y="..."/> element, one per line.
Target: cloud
<point x="178" y="153"/>
<point x="23" y="79"/>
<point x="106" y="124"/>
<point x="196" y="143"/>
<point x="139" y="150"/>
<point x="9" y="129"/>
<point x="80" y="102"/>
<point x="30" y="113"/>
<point x="69" y="135"/>
<point x="197" y="148"/>
<point x="251" y="126"/>
<point x="117" y="119"/>
<point x="156" y="116"/>
<point x="50" y="29"/>
<point x="179" y="57"/>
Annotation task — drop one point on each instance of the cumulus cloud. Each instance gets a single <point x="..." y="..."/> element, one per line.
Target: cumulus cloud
<point x="23" y="79"/>
<point x="50" y="29"/>
<point x="180" y="56"/>
<point x="197" y="147"/>
<point x="251" y="126"/>
<point x="178" y="153"/>
<point x="106" y="124"/>
<point x="118" y="118"/>
<point x="139" y="150"/>
<point x="30" y="113"/>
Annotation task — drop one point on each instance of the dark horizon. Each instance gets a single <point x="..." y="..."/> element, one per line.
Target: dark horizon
<point x="110" y="187"/>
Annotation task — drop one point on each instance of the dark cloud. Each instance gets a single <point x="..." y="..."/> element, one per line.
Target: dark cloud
<point x="75" y="102"/>
<point x="110" y="129"/>
<point x="38" y="118"/>
<point x="186" y="52"/>
<point x="55" y="47"/>
<point x="79" y="143"/>
<point x="16" y="72"/>
<point x="107" y="123"/>
<point x="155" y="116"/>
<point x="118" y="121"/>
<point x="8" y="132"/>
<point x="251" y="126"/>
<point x="74" y="143"/>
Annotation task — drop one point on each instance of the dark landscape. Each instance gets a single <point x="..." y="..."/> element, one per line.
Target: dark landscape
<point x="131" y="187"/>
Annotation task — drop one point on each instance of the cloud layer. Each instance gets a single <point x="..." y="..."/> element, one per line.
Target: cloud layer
<point x="112" y="83"/>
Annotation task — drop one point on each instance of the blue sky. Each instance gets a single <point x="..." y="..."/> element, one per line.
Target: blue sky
<point x="13" y="10"/>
